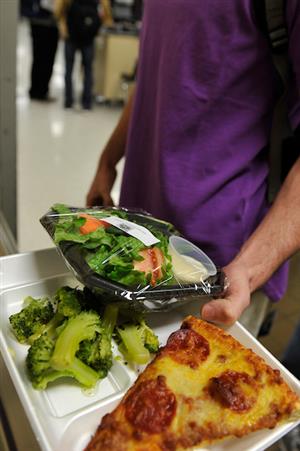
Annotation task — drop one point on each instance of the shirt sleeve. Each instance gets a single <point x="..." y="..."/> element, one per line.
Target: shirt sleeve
<point x="293" y="21"/>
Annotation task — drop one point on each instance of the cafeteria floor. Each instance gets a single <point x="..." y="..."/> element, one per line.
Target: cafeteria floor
<point x="58" y="152"/>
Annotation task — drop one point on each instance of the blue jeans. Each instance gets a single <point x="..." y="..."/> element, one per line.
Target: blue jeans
<point x="87" y="54"/>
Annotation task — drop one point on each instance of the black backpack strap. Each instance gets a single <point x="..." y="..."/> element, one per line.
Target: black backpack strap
<point x="272" y="21"/>
<point x="276" y="23"/>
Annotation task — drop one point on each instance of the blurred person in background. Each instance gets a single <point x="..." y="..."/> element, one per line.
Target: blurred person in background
<point x="79" y="23"/>
<point x="195" y="136"/>
<point x="121" y="11"/>
<point x="44" y="38"/>
<point x="126" y="10"/>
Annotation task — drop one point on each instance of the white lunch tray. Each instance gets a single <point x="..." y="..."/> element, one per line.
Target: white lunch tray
<point x="64" y="416"/>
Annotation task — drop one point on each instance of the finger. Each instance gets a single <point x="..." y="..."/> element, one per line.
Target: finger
<point x="93" y="200"/>
<point x="107" y="201"/>
<point x="224" y="311"/>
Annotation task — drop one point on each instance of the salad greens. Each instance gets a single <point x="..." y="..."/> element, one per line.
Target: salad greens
<point x="109" y="251"/>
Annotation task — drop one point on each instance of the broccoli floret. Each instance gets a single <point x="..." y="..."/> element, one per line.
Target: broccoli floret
<point x="150" y="339"/>
<point x="69" y="301"/>
<point x="131" y="344"/>
<point x="43" y="356"/>
<point x="78" y="328"/>
<point x="136" y="340"/>
<point x="68" y="304"/>
<point x="39" y="316"/>
<point x="38" y="363"/>
<point x="84" y="326"/>
<point x="97" y="353"/>
<point x="31" y="320"/>
<point x="41" y="371"/>
<point x="109" y="320"/>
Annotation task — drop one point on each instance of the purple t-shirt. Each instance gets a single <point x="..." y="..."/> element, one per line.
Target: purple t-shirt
<point x="201" y="117"/>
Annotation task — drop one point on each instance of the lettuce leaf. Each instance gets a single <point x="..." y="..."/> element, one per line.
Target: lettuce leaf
<point x="108" y="250"/>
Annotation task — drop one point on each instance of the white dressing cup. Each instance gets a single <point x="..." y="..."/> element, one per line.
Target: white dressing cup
<point x="190" y="264"/>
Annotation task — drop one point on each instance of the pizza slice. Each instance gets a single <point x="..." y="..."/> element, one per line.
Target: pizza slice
<point x="202" y="387"/>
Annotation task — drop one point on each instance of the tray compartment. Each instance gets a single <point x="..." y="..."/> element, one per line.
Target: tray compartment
<point x="62" y="420"/>
<point x="79" y="432"/>
<point x="65" y="396"/>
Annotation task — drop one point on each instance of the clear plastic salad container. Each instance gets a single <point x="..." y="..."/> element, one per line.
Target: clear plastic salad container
<point x="130" y="256"/>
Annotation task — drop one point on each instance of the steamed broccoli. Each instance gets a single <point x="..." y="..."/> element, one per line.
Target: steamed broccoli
<point x="31" y="320"/>
<point x="97" y="353"/>
<point x="44" y="315"/>
<point x="49" y="359"/>
<point x="41" y="371"/>
<point x="150" y="339"/>
<point x="69" y="301"/>
<point x="38" y="363"/>
<point x="68" y="304"/>
<point x="136" y="340"/>
<point x="83" y="349"/>
<point x="70" y="340"/>
<point x="78" y="328"/>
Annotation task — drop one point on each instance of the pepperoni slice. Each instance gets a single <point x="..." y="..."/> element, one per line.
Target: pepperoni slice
<point x="151" y="406"/>
<point x="187" y="347"/>
<point x="227" y="390"/>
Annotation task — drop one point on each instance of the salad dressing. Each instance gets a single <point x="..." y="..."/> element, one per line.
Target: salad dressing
<point x="186" y="269"/>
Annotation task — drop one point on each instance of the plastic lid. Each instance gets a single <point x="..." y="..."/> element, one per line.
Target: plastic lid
<point x="189" y="261"/>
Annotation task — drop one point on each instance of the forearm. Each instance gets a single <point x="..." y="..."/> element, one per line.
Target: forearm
<point x="277" y="237"/>
<point x="107" y="12"/>
<point x="115" y="148"/>
<point x="60" y="7"/>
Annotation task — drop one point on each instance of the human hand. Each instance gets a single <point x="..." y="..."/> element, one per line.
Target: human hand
<point x="228" y="309"/>
<point x="100" y="190"/>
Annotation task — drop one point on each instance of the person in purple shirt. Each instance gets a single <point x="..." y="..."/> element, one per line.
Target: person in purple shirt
<point x="194" y="136"/>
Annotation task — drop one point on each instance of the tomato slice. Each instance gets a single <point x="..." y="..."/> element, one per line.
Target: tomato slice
<point x="157" y="260"/>
<point x="152" y="262"/>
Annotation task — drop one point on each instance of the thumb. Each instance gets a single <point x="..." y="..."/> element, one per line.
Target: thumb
<point x="224" y="311"/>
<point x="237" y="297"/>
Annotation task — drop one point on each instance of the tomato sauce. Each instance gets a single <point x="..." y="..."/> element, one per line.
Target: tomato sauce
<point x="151" y="407"/>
